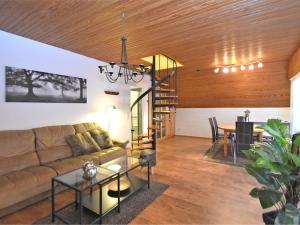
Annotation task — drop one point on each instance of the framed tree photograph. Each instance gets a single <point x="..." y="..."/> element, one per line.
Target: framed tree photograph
<point x="24" y="85"/>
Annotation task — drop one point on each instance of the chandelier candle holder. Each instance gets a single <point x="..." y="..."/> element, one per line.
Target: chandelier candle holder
<point x="242" y="67"/>
<point x="134" y="73"/>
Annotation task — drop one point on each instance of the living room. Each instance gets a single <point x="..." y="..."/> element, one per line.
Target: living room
<point x="151" y="112"/>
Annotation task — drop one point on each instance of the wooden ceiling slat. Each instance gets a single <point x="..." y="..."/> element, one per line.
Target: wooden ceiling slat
<point x="201" y="34"/>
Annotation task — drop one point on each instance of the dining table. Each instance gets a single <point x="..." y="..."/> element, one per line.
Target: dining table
<point x="231" y="129"/>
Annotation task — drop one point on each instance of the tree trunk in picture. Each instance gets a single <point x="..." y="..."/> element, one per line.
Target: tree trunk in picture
<point x="81" y="88"/>
<point x="62" y="90"/>
<point x="28" y="77"/>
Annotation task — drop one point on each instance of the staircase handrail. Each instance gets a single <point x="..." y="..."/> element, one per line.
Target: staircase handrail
<point x="150" y="89"/>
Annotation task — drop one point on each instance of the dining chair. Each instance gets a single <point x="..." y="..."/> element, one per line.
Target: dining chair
<point x="213" y="132"/>
<point x="242" y="139"/>
<point x="244" y="135"/>
<point x="218" y="135"/>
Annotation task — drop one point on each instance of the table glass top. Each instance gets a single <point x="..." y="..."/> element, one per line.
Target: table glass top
<point x="76" y="180"/>
<point x="122" y="164"/>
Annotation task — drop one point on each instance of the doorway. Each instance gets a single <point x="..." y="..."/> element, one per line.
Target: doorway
<point x="136" y="113"/>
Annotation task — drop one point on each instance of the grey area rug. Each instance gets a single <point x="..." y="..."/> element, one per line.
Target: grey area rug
<point x="130" y="208"/>
<point x="216" y="154"/>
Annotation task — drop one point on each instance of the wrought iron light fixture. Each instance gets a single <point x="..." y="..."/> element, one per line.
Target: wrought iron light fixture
<point x="134" y="73"/>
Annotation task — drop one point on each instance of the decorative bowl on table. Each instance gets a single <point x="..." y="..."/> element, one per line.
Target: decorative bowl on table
<point x="89" y="170"/>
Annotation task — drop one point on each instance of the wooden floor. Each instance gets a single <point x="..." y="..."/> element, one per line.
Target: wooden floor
<point x="200" y="192"/>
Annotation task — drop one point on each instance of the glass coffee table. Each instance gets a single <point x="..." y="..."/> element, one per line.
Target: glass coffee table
<point x="111" y="176"/>
<point x="74" y="180"/>
<point x="123" y="166"/>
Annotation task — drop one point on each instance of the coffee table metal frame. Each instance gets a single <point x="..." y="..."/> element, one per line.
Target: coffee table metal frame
<point x="79" y="192"/>
<point x="79" y="196"/>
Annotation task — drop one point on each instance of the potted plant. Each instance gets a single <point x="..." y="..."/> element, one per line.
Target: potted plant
<point x="277" y="168"/>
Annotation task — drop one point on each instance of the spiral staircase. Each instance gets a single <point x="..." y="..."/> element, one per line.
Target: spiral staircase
<point x="162" y="99"/>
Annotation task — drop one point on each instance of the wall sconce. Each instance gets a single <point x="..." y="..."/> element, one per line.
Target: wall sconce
<point x="111" y="92"/>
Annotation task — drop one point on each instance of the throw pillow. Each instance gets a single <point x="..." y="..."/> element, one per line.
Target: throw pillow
<point x="82" y="143"/>
<point x="102" y="138"/>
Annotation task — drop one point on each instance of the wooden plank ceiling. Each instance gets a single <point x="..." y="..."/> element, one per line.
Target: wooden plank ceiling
<point x="199" y="34"/>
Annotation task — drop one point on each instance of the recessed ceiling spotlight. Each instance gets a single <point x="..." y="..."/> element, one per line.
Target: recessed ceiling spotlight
<point x="260" y="65"/>
<point x="251" y="67"/>
<point x="233" y="69"/>
<point x="217" y="70"/>
<point x="225" y="70"/>
<point x="243" y="67"/>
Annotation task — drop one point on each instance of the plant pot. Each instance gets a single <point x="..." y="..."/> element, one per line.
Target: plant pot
<point x="269" y="217"/>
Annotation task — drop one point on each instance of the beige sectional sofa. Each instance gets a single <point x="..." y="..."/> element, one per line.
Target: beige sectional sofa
<point x="30" y="158"/>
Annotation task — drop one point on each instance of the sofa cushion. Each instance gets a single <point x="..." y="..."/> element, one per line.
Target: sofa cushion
<point x="84" y="127"/>
<point x="102" y="138"/>
<point x="51" y="142"/>
<point x="109" y="154"/>
<point x="66" y="165"/>
<point x="82" y="143"/>
<point x="21" y="185"/>
<point x="17" y="150"/>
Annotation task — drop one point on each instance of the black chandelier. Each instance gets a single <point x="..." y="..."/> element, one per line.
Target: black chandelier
<point x="129" y="72"/>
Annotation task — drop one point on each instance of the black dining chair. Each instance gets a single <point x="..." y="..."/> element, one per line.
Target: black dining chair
<point x="218" y="135"/>
<point x="244" y="137"/>
<point x="213" y="132"/>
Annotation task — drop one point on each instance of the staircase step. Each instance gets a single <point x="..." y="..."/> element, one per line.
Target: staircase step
<point x="164" y="90"/>
<point x="163" y="112"/>
<point x="166" y="97"/>
<point x="148" y="146"/>
<point x="164" y="84"/>
<point x="143" y="142"/>
<point x="166" y="104"/>
<point x="145" y="135"/>
<point x="140" y="148"/>
<point x="157" y="119"/>
<point x="154" y="128"/>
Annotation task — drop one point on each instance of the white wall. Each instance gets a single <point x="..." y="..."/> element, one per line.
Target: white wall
<point x="24" y="53"/>
<point x="295" y="103"/>
<point x="194" y="121"/>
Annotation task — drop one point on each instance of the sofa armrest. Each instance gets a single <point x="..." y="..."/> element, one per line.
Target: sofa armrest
<point x="121" y="144"/>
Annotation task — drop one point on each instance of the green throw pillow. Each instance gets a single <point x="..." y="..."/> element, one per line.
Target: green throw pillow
<point x="82" y="143"/>
<point x="102" y="138"/>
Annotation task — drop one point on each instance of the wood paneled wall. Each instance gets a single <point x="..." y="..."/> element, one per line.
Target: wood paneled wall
<point x="265" y="87"/>
<point x="294" y="64"/>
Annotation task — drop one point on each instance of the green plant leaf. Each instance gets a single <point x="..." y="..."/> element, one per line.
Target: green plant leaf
<point x="295" y="158"/>
<point x="254" y="192"/>
<point x="279" y="131"/>
<point x="262" y="176"/>
<point x="268" y="198"/>
<point x="258" y="173"/>
<point x="251" y="154"/>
